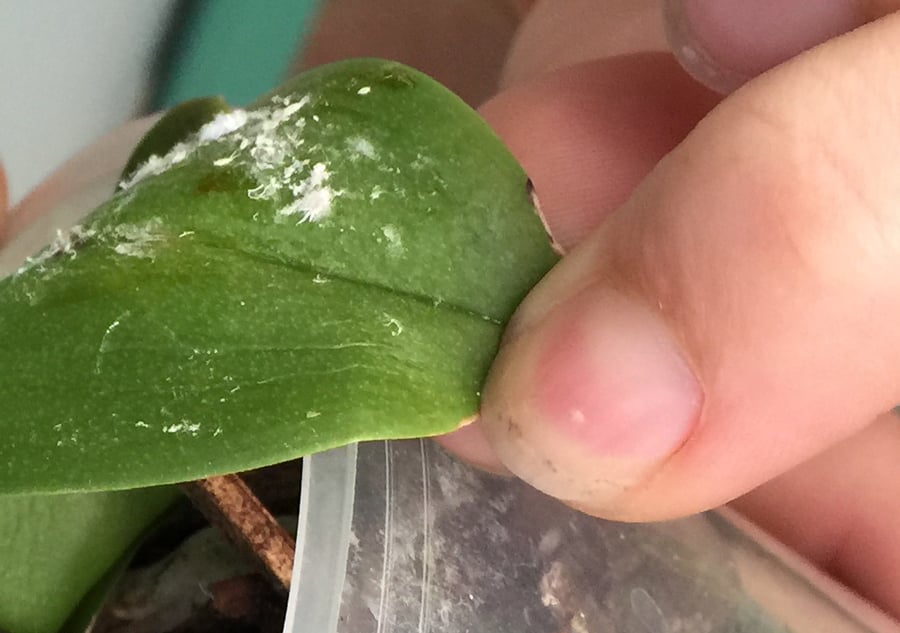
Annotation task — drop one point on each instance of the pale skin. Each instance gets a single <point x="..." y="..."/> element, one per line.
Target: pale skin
<point x="722" y="327"/>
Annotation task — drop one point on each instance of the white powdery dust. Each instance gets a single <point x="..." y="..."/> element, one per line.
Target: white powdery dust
<point x="262" y="143"/>
<point x="393" y="324"/>
<point x="265" y="146"/>
<point x="185" y="426"/>
<point x="137" y="240"/>
<point x="271" y="138"/>
<point x="394" y="241"/>
<point x="156" y="165"/>
<point x="362" y="147"/>
<point x="312" y="197"/>
<point x="222" y="124"/>
<point x="66" y="242"/>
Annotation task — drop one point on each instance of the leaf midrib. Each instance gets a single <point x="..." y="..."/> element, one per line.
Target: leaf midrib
<point x="310" y="268"/>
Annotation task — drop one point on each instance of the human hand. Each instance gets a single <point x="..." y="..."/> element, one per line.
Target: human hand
<point x="728" y="326"/>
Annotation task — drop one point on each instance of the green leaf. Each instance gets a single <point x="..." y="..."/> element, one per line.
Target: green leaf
<point x="337" y="267"/>
<point x="31" y="596"/>
<point x="55" y="548"/>
<point x="178" y="124"/>
<point x="88" y="608"/>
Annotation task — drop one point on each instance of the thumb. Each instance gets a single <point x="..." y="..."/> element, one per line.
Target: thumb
<point x="735" y="316"/>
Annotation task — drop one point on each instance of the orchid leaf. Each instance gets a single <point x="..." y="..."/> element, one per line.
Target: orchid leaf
<point x="56" y="548"/>
<point x="335" y="263"/>
<point x="62" y="553"/>
<point x="176" y="126"/>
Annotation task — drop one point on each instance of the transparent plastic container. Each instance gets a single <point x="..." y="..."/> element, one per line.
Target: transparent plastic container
<point x="398" y="537"/>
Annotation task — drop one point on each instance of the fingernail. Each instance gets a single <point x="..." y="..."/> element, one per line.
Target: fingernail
<point x="691" y="53"/>
<point x="591" y="400"/>
<point x="724" y="43"/>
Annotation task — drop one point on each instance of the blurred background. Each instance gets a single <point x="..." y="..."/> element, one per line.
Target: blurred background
<point x="72" y="70"/>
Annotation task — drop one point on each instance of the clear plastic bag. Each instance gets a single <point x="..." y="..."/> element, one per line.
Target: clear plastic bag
<point x="398" y="537"/>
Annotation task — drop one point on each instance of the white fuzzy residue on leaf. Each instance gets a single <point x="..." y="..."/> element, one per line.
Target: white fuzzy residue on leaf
<point x="393" y="324"/>
<point x="312" y="196"/>
<point x="223" y="123"/>
<point x="394" y="241"/>
<point x="66" y="242"/>
<point x="185" y="426"/>
<point x="364" y="91"/>
<point x="226" y="160"/>
<point x="106" y="340"/>
<point x="265" y="190"/>
<point x="221" y="126"/>
<point x="266" y="147"/>
<point x="263" y="144"/>
<point x="362" y="147"/>
<point x="137" y="240"/>
<point x="156" y="165"/>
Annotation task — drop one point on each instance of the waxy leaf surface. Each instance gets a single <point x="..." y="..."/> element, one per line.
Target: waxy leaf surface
<point x="334" y="264"/>
<point x="55" y="548"/>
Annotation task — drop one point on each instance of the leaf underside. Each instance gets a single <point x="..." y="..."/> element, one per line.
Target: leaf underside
<point x="335" y="264"/>
<point x="55" y="547"/>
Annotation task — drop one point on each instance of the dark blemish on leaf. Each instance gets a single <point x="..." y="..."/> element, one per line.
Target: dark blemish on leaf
<point x="397" y="78"/>
<point x="221" y="181"/>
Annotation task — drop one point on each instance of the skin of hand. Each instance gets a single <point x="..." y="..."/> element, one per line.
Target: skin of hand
<point x="721" y="326"/>
<point x="4" y="203"/>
